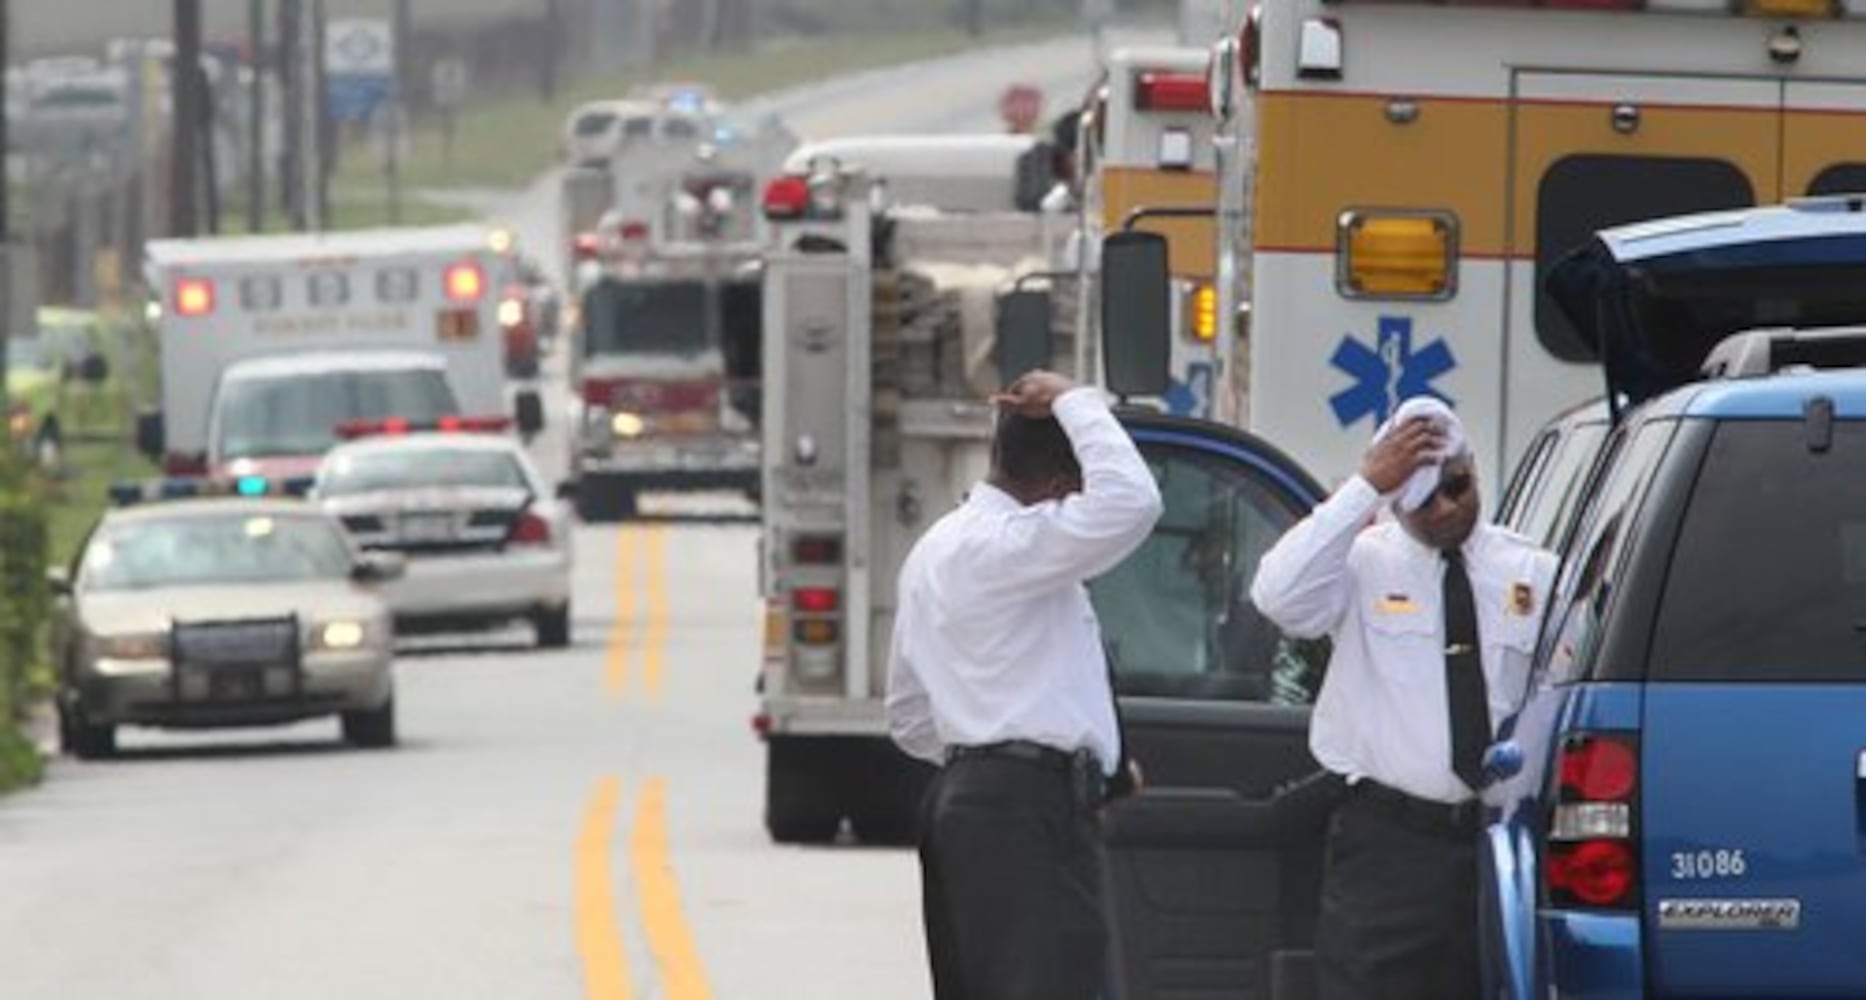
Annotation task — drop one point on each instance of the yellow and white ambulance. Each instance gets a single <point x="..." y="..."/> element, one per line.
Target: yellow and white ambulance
<point x="1420" y="166"/>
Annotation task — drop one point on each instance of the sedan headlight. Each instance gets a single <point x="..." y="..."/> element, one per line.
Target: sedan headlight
<point x="340" y="636"/>
<point x="131" y="646"/>
<point x="627" y="425"/>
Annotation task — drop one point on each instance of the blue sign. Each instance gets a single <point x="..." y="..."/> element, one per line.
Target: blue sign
<point x="1388" y="372"/>
<point x="356" y="97"/>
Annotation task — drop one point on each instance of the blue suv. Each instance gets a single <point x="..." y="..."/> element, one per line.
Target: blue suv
<point x="1683" y="794"/>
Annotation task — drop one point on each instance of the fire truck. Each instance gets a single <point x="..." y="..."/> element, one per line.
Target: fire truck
<point x="665" y="357"/>
<point x="269" y="343"/>
<point x="887" y="263"/>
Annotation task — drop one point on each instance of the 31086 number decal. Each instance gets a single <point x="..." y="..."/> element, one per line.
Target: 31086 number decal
<point x="1698" y="865"/>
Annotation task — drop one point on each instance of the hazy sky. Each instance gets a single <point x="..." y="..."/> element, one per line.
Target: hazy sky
<point x="81" y="27"/>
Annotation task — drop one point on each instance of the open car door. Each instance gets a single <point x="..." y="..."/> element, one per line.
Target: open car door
<point x="1215" y="708"/>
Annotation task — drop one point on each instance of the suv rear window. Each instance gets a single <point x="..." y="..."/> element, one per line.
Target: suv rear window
<point x="1768" y="579"/>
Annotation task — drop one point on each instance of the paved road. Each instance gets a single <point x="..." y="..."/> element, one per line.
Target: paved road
<point x="582" y="823"/>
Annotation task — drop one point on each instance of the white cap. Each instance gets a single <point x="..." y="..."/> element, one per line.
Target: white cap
<point x="1418" y="488"/>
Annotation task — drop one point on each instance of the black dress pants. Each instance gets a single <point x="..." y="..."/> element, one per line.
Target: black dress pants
<point x="1010" y="864"/>
<point x="1399" y="907"/>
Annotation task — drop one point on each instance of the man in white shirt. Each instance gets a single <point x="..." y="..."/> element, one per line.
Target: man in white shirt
<point x="1433" y="616"/>
<point x="997" y="674"/>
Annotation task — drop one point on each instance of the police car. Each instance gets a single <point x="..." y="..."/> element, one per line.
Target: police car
<point x="486" y="542"/>
<point x="197" y="604"/>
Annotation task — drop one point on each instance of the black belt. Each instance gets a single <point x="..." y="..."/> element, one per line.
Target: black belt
<point x="1424" y="815"/>
<point x="1025" y="750"/>
<point x="1088" y="785"/>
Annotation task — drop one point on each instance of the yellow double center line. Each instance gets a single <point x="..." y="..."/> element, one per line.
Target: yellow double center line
<point x="599" y="934"/>
<point x="600" y="938"/>
<point x="640" y="550"/>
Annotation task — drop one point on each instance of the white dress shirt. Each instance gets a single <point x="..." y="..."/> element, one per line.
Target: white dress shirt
<point x="1376" y="592"/>
<point x="994" y="637"/>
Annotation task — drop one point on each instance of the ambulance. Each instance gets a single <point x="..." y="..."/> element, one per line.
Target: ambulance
<point x="1146" y="162"/>
<point x="269" y="344"/>
<point x="1417" y="169"/>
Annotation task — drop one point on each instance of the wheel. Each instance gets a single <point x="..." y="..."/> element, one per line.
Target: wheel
<point x="553" y="627"/>
<point x="82" y="738"/>
<point x="801" y="805"/>
<point x="371" y="727"/>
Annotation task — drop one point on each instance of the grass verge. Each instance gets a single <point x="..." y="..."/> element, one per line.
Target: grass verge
<point x="506" y="143"/>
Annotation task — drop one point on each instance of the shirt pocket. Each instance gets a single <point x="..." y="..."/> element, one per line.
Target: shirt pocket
<point x="1408" y="622"/>
<point x="1516" y="633"/>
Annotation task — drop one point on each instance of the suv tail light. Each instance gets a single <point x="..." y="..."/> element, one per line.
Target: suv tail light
<point x="1592" y="856"/>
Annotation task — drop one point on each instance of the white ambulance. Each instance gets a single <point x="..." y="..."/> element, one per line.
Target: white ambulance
<point x="306" y="333"/>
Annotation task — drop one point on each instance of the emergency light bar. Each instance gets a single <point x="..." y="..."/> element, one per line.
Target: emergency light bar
<point x="131" y="493"/>
<point x="465" y="282"/>
<point x="350" y="430"/>
<point x="1158" y="91"/>
<point x="194" y="297"/>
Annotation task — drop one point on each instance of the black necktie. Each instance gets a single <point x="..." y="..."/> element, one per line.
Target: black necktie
<point x="1465" y="693"/>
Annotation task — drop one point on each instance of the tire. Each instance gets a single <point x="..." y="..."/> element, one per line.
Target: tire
<point x="801" y="801"/>
<point x="82" y="738"/>
<point x="553" y="627"/>
<point x="371" y="728"/>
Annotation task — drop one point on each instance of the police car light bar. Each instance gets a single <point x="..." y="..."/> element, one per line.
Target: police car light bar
<point x="350" y="430"/>
<point x="130" y="493"/>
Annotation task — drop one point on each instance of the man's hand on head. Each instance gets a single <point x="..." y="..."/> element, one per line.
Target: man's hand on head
<point x="1033" y="394"/>
<point x="1394" y="458"/>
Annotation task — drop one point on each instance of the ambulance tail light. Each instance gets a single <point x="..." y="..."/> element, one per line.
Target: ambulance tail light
<point x="787" y="198"/>
<point x="465" y="282"/>
<point x="1396" y="255"/>
<point x="1592" y="857"/>
<point x="632" y="231"/>
<point x="1185" y="92"/>
<point x="194" y="297"/>
<point x="586" y="246"/>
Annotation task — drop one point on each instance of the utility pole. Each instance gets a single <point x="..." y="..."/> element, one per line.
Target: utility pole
<point x="317" y="169"/>
<point x="185" y="162"/>
<point x="291" y="187"/>
<point x="974" y="17"/>
<point x="398" y="109"/>
<point x="6" y="208"/>
<point x="256" y="117"/>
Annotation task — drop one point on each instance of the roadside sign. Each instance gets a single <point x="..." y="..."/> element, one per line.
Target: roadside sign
<point x="359" y="67"/>
<point x="448" y="81"/>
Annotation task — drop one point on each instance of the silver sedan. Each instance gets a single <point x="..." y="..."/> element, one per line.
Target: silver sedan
<point x="221" y="612"/>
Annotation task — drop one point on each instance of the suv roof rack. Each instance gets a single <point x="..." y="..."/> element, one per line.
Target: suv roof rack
<point x="1763" y="351"/>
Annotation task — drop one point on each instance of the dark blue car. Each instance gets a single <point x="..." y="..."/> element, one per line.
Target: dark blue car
<point x="1683" y="795"/>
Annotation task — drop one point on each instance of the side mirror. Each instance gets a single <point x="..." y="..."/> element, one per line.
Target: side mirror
<point x="58" y="581"/>
<point x="151" y="437"/>
<point x="93" y="369"/>
<point x="1136" y="313"/>
<point x="379" y="567"/>
<point x="1502" y="761"/>
<point x="1036" y="175"/>
<point x="530" y="413"/>
<point x="1024" y="334"/>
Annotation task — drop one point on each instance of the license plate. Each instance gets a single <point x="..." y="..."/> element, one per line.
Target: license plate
<point x="427" y="527"/>
<point x="236" y="685"/>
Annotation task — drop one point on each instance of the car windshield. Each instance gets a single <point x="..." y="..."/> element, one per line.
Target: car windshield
<point x="299" y="414"/>
<point x="595" y="123"/>
<point x="668" y="317"/>
<point x="402" y="469"/>
<point x="206" y="549"/>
